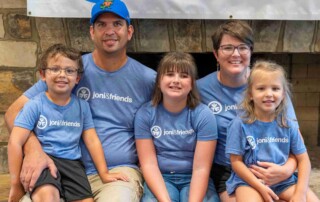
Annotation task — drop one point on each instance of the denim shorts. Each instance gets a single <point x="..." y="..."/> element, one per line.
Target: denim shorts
<point x="178" y="186"/>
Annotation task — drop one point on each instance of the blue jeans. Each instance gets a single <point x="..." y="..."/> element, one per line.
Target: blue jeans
<point x="178" y="186"/>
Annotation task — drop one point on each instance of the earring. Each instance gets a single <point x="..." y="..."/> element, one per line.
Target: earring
<point x="218" y="66"/>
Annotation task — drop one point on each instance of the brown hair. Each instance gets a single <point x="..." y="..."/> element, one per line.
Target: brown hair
<point x="60" y="49"/>
<point x="179" y="62"/>
<point x="247" y="105"/>
<point x="235" y="28"/>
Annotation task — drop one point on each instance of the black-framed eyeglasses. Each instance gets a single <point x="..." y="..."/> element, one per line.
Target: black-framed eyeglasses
<point x="243" y="49"/>
<point x="69" y="71"/>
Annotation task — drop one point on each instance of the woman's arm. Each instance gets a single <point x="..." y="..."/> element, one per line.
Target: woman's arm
<point x="245" y="174"/>
<point x="150" y="169"/>
<point x="95" y="149"/>
<point x="202" y="163"/>
<point x="304" y="168"/>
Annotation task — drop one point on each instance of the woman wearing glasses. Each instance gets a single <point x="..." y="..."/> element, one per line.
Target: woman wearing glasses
<point x="223" y="90"/>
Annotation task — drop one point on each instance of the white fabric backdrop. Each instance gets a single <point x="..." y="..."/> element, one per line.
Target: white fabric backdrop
<point x="187" y="9"/>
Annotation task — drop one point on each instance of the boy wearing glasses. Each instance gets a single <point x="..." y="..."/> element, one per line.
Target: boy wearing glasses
<point x="59" y="119"/>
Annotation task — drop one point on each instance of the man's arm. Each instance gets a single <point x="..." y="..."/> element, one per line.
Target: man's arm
<point x="35" y="159"/>
<point x="13" y="111"/>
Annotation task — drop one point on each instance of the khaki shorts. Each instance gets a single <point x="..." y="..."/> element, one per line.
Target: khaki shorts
<point x="118" y="191"/>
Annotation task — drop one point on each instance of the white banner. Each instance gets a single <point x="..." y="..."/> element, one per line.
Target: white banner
<point x="187" y="9"/>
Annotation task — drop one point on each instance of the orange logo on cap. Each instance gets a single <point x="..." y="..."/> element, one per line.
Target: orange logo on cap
<point x="106" y="4"/>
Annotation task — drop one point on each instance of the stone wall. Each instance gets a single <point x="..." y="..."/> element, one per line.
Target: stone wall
<point x="295" y="44"/>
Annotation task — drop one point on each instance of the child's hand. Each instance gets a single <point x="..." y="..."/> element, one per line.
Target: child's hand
<point x="16" y="193"/>
<point x="298" y="197"/>
<point x="267" y="194"/>
<point x="111" y="177"/>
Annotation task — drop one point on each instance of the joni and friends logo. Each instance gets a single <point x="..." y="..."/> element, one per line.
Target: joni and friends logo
<point x="266" y="140"/>
<point x="84" y="93"/>
<point x="106" y="4"/>
<point x="251" y="141"/>
<point x="156" y="131"/>
<point x="215" y="107"/>
<point x="42" y="122"/>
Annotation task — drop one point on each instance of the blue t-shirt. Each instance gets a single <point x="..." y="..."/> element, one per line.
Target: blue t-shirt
<point x="262" y="141"/>
<point x="175" y="135"/>
<point x="58" y="128"/>
<point x="223" y="102"/>
<point x="114" y="98"/>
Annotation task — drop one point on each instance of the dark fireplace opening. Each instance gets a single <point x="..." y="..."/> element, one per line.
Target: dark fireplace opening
<point x="207" y="63"/>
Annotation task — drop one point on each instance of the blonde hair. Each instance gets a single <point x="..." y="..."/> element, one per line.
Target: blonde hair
<point x="247" y="104"/>
<point x="177" y="62"/>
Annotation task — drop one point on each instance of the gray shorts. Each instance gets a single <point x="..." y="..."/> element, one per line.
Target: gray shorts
<point x="72" y="181"/>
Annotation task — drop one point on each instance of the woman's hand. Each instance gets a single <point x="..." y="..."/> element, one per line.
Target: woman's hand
<point x="270" y="173"/>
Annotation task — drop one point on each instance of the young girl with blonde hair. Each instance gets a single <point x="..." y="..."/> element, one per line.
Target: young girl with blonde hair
<point x="262" y="132"/>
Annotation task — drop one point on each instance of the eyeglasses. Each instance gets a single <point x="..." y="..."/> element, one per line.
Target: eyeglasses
<point x="243" y="49"/>
<point x="69" y="71"/>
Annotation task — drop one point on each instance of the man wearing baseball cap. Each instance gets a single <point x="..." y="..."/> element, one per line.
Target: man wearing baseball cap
<point x="115" y="87"/>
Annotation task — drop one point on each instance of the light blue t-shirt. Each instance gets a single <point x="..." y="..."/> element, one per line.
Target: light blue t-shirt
<point x="58" y="128"/>
<point x="175" y="135"/>
<point x="223" y="102"/>
<point x="262" y="141"/>
<point x="114" y="98"/>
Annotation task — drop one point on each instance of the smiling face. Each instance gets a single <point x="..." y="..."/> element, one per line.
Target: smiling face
<point x="59" y="83"/>
<point x="110" y="34"/>
<point x="234" y="64"/>
<point x="267" y="92"/>
<point x="175" y="86"/>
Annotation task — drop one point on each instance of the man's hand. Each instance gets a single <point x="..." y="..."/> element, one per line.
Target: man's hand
<point x="269" y="173"/>
<point x="33" y="165"/>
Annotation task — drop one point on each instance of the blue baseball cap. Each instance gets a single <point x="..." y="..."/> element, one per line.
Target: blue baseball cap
<point x="113" y="6"/>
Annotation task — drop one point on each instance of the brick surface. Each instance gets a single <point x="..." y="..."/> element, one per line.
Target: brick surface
<point x="306" y="99"/>
<point x="309" y="131"/>
<point x="12" y="85"/>
<point x="314" y="70"/>
<point x="153" y="36"/>
<point x="305" y="59"/>
<point x="18" y="54"/>
<point x="299" y="71"/>
<point x="51" y="31"/>
<point x="266" y="35"/>
<point x="210" y="27"/>
<point x="13" y="4"/>
<point x="306" y="85"/>
<point x="19" y="26"/>
<point x="3" y="159"/>
<point x="298" y="36"/>
<point x="187" y="35"/>
<point x="307" y="113"/>
<point x="4" y="135"/>
<point x="79" y="34"/>
<point x="1" y="27"/>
